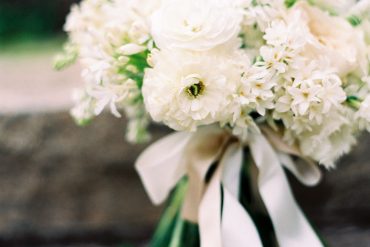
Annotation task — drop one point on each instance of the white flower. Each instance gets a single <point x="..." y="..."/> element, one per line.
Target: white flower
<point x="304" y="94"/>
<point x="111" y="95"/>
<point x="327" y="142"/>
<point x="285" y="41"/>
<point x="185" y="90"/>
<point x="292" y="33"/>
<point x="332" y="93"/>
<point x="361" y="9"/>
<point x="196" y="25"/>
<point x="335" y="6"/>
<point x="334" y="38"/>
<point x="263" y="12"/>
<point x="275" y="58"/>
<point x="305" y="63"/>
<point x="83" y="111"/>
<point x="130" y="49"/>
<point x="255" y="91"/>
<point x="308" y="96"/>
<point x="243" y="126"/>
<point x="90" y="13"/>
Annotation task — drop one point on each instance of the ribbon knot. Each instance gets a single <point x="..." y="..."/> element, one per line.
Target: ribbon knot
<point x="165" y="162"/>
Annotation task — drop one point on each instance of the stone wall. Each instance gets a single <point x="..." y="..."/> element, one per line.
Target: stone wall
<point x="59" y="182"/>
<point x="61" y="185"/>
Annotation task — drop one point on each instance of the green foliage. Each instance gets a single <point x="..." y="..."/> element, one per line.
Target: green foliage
<point x="354" y="102"/>
<point x="139" y="62"/>
<point x="354" y="20"/>
<point x="170" y="218"/>
<point x="31" y="19"/>
<point x="290" y="3"/>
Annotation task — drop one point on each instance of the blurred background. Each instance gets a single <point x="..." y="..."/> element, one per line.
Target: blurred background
<point x="61" y="185"/>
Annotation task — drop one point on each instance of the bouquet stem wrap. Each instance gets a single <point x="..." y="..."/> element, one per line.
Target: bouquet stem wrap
<point x="212" y="160"/>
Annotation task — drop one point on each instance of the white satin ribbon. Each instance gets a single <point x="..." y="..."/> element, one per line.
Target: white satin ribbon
<point x="238" y="229"/>
<point x="164" y="163"/>
<point x="291" y="226"/>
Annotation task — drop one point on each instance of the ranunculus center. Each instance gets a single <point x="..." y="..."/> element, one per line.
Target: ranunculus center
<point x="192" y="27"/>
<point x="196" y="89"/>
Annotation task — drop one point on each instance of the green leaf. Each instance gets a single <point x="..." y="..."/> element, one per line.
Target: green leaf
<point x="139" y="62"/>
<point x="290" y="3"/>
<point x="354" y="20"/>
<point x="163" y="236"/>
<point x="190" y="236"/>
<point x="176" y="240"/>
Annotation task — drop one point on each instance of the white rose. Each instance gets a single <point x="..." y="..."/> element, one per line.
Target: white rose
<point x="185" y="90"/>
<point x="196" y="25"/>
<point x="334" y="38"/>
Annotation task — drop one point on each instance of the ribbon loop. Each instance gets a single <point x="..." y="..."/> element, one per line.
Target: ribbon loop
<point x="164" y="163"/>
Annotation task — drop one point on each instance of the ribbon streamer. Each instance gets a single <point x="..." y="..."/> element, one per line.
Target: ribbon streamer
<point x="291" y="227"/>
<point x="164" y="163"/>
<point x="238" y="229"/>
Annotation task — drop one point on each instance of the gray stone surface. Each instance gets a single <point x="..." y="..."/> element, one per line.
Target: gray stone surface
<point x="57" y="178"/>
<point x="62" y="183"/>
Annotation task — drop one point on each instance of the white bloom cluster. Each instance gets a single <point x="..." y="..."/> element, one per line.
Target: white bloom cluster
<point x="112" y="40"/>
<point x="295" y="65"/>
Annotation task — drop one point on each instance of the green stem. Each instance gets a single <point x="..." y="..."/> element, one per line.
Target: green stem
<point x="177" y="233"/>
<point x="354" y="102"/>
<point x="163" y="234"/>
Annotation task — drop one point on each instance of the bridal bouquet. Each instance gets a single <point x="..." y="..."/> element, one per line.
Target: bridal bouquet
<point x="251" y="86"/>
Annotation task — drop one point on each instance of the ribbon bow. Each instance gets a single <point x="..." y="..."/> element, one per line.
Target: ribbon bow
<point x="165" y="162"/>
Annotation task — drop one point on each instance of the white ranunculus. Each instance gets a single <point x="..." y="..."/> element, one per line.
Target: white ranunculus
<point x="196" y="25"/>
<point x="185" y="90"/>
<point x="334" y="38"/>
